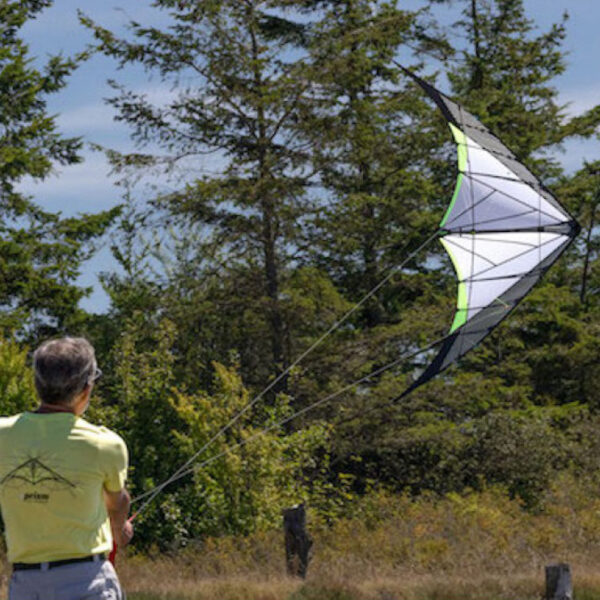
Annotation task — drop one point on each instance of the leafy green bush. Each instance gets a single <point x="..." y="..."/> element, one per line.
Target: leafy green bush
<point x="17" y="391"/>
<point x="243" y="478"/>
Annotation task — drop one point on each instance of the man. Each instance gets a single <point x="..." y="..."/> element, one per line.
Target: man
<point x="62" y="484"/>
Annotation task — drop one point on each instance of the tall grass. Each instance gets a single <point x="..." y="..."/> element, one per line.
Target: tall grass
<point x="466" y="546"/>
<point x="471" y="546"/>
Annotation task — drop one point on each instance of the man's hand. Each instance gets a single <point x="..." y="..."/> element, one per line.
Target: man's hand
<point x="126" y="534"/>
<point x="117" y="506"/>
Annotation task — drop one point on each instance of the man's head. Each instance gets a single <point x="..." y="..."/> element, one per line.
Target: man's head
<point x="63" y="369"/>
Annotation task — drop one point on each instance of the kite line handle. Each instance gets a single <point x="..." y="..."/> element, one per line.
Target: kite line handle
<point x="113" y="553"/>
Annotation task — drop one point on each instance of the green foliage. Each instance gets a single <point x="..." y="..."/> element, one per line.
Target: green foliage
<point x="504" y="55"/>
<point x="241" y="102"/>
<point x="40" y="252"/>
<point x="241" y="482"/>
<point x="490" y="414"/>
<point x="258" y="474"/>
<point x="377" y="149"/>
<point x="17" y="392"/>
<point x="232" y="280"/>
<point x="582" y="194"/>
<point x="334" y="168"/>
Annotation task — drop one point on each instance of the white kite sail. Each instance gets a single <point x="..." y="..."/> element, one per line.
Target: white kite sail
<point x="502" y="230"/>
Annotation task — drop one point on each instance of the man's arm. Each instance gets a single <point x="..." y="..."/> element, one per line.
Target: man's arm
<point x="117" y="506"/>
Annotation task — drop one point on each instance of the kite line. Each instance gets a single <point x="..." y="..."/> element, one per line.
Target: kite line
<point x="184" y="467"/>
<point x="484" y="231"/>
<point x="151" y="494"/>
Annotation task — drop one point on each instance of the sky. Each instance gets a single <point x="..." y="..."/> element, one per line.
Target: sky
<point x="81" y="110"/>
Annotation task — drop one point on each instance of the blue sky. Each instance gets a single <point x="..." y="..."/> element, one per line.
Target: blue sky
<point x="82" y="112"/>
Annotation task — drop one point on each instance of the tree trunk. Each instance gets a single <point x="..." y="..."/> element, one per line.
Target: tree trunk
<point x="269" y="224"/>
<point x="588" y="251"/>
<point x="477" y="73"/>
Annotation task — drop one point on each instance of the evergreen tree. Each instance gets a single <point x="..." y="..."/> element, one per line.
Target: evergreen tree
<point x="545" y="351"/>
<point x="333" y="168"/>
<point x="378" y="147"/>
<point x="40" y="252"/>
<point x="238" y="229"/>
<point x="505" y="78"/>
<point x="382" y="163"/>
<point x="582" y="190"/>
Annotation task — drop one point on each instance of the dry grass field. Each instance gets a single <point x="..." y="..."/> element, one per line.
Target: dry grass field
<point x="473" y="546"/>
<point x="166" y="583"/>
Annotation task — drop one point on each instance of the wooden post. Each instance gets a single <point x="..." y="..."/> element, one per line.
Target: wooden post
<point x="297" y="540"/>
<point x="558" y="582"/>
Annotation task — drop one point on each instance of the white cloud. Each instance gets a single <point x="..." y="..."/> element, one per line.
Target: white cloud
<point x="85" y="187"/>
<point x="98" y="117"/>
<point x="83" y="120"/>
<point x="581" y="99"/>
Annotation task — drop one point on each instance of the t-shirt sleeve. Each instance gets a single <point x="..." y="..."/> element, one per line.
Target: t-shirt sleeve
<point x="114" y="461"/>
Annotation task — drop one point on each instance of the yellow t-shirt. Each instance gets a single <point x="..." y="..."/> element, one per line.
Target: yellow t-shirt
<point x="53" y="468"/>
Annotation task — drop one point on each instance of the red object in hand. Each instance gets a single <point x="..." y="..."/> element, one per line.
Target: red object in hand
<point x="113" y="553"/>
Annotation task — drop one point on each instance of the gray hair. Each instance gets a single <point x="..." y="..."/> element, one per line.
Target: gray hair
<point x="63" y="368"/>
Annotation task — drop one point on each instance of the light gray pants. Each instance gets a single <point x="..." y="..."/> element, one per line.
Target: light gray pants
<point x="79" y="581"/>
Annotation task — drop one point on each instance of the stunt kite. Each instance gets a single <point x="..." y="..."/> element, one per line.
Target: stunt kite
<point x="503" y="230"/>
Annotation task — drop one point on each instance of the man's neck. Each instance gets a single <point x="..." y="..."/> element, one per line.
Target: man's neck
<point x="45" y="408"/>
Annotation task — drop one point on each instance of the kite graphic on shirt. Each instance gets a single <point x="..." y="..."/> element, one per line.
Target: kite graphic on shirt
<point x="33" y="473"/>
